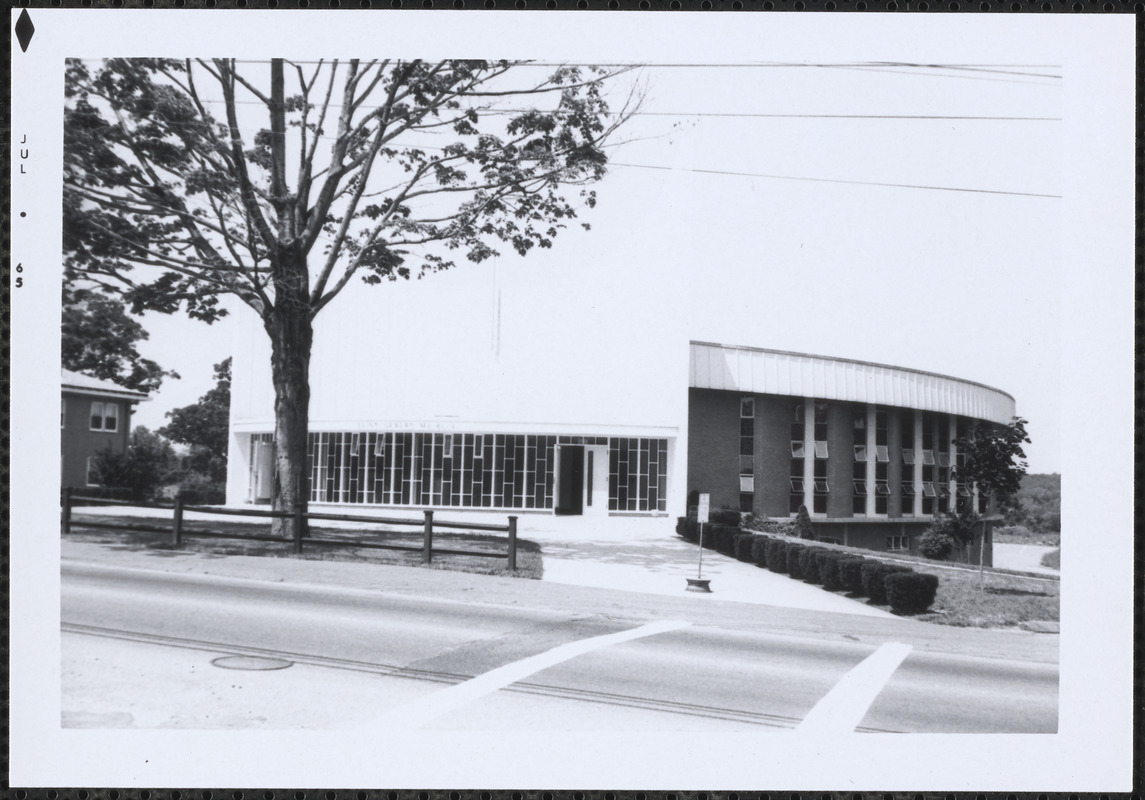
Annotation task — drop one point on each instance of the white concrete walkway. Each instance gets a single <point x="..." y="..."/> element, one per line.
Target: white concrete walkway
<point x="636" y="554"/>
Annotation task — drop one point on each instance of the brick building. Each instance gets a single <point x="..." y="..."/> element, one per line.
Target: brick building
<point x="95" y="416"/>
<point x="867" y="448"/>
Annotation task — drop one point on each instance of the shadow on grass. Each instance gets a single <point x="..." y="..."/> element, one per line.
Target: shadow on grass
<point x="160" y="545"/>
<point x="1023" y="592"/>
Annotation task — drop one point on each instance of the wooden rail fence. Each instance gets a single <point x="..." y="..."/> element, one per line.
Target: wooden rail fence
<point x="178" y="531"/>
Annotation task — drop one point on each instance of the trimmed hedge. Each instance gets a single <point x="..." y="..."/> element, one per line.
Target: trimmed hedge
<point x="709" y="536"/>
<point x="829" y="570"/>
<point x="726" y="539"/>
<point x="910" y="592"/>
<point x="777" y="556"/>
<point x="850" y="571"/>
<point x="725" y="516"/>
<point x="874" y="575"/>
<point x="809" y="563"/>
<point x="795" y="560"/>
<point x="759" y="548"/>
<point x="743" y="546"/>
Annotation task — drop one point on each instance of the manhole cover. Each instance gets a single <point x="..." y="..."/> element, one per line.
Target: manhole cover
<point x="251" y="662"/>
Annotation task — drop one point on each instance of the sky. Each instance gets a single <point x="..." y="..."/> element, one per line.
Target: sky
<point x="899" y="214"/>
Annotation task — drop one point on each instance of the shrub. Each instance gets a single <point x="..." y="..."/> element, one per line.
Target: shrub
<point x="874" y="573"/>
<point x="709" y="534"/>
<point x="809" y="564"/>
<point x="803" y="527"/>
<point x="910" y="592"/>
<point x="759" y="546"/>
<point x="754" y="522"/>
<point x="850" y="571"/>
<point x="725" y="516"/>
<point x="795" y="559"/>
<point x="777" y="556"/>
<point x="829" y="570"/>
<point x="725" y="539"/>
<point x="198" y="489"/>
<point x="936" y="544"/>
<point x="744" y="543"/>
<point x="681" y="526"/>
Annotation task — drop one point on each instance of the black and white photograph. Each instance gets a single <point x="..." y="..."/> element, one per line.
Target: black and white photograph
<point x="572" y="400"/>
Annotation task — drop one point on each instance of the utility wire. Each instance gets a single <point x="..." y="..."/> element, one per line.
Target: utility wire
<point x="835" y="180"/>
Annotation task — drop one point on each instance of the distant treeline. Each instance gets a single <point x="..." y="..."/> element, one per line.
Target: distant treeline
<point x="1038" y="504"/>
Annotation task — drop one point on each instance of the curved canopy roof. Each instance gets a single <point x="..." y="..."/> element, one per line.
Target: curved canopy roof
<point x="759" y="371"/>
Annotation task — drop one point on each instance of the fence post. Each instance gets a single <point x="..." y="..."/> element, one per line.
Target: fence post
<point x="67" y="512"/>
<point x="298" y="526"/>
<point x="177" y="523"/>
<point x="513" y="543"/>
<point x="427" y="546"/>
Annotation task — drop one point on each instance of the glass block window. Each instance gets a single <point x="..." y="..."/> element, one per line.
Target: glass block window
<point x="637" y="474"/>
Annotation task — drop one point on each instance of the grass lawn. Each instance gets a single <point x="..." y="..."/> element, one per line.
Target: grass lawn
<point x="529" y="563"/>
<point x="1004" y="536"/>
<point x="1004" y="601"/>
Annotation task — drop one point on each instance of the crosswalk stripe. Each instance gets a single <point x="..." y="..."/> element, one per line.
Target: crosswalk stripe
<point x="843" y="708"/>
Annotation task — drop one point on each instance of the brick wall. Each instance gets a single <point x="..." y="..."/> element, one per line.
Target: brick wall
<point x="772" y="454"/>
<point x="713" y="445"/>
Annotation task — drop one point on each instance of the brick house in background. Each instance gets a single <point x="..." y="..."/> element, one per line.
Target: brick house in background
<point x="95" y="415"/>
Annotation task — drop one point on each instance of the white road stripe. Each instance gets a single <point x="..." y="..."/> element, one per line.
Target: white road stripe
<point x="843" y="708"/>
<point x="439" y="703"/>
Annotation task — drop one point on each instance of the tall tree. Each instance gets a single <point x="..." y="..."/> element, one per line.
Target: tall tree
<point x="204" y="426"/>
<point x="993" y="462"/>
<point x="99" y="338"/>
<point x="379" y="169"/>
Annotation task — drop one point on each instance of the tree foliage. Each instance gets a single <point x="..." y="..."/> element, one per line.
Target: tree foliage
<point x="362" y="164"/>
<point x="803" y="527"/>
<point x="1037" y="504"/>
<point x="99" y="338"/>
<point x="278" y="183"/>
<point x="148" y="462"/>
<point x="993" y="459"/>
<point x="203" y="426"/>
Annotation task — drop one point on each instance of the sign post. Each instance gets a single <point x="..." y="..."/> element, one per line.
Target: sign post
<point x="698" y="583"/>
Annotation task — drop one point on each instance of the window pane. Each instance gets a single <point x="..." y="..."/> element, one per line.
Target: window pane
<point x="820" y="449"/>
<point x="908" y="455"/>
<point x="797" y="485"/>
<point x="861" y="488"/>
<point x="821" y="487"/>
<point x="747" y="407"/>
<point x="797" y="449"/>
<point x="96" y="422"/>
<point x="882" y="453"/>
<point x="111" y="416"/>
<point x="860" y="452"/>
<point x="746" y="465"/>
<point x="746" y="483"/>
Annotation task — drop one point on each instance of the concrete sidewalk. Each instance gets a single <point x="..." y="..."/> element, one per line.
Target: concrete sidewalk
<point x="634" y="554"/>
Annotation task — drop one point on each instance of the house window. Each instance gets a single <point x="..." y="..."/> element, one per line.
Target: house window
<point x="898" y="543"/>
<point x="104" y="416"/>
<point x="92" y="472"/>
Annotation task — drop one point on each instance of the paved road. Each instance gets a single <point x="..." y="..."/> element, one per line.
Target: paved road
<point x="138" y="648"/>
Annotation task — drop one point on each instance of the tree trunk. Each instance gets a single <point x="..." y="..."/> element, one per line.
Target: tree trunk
<point x="291" y="334"/>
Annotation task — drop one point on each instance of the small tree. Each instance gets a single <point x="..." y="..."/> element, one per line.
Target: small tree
<point x="993" y="462"/>
<point x="803" y="524"/>
<point x="204" y="427"/>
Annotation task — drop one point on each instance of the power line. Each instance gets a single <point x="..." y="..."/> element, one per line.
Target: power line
<point x="836" y="180"/>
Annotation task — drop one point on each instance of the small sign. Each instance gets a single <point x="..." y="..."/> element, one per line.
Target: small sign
<point x="702" y="511"/>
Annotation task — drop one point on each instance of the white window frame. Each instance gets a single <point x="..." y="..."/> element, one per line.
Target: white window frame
<point x="798" y="450"/>
<point x="928" y="458"/>
<point x="797" y="486"/>
<point x="883" y="488"/>
<point x="928" y="489"/>
<point x="89" y="468"/>
<point x="821" y="486"/>
<point x="820" y="449"/>
<point x="104" y="407"/>
<point x="860" y="485"/>
<point x="860" y="452"/>
<point x="908" y="455"/>
<point x="882" y="453"/>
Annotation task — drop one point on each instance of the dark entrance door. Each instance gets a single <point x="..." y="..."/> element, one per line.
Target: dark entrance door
<point x="570" y="485"/>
